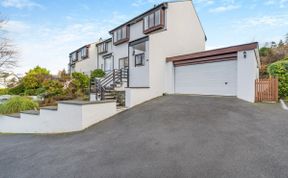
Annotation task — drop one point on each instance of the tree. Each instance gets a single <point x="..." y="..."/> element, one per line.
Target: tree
<point x="281" y="43"/>
<point x="35" y="78"/>
<point x="8" y="54"/>
<point x="286" y="39"/>
<point x="273" y="44"/>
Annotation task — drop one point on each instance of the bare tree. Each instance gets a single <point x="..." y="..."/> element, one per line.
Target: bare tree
<point x="8" y="53"/>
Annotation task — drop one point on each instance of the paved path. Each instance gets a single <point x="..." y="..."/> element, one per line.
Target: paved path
<point x="172" y="136"/>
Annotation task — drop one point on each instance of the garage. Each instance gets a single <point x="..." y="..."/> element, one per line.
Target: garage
<point x="229" y="71"/>
<point x="219" y="78"/>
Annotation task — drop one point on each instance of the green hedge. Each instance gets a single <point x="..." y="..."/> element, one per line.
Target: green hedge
<point x="17" y="104"/>
<point x="280" y="69"/>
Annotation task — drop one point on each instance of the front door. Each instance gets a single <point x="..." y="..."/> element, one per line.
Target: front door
<point x="123" y="63"/>
<point x="108" y="64"/>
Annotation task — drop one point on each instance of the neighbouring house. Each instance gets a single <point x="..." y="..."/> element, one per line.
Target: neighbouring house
<point x="83" y="59"/>
<point x="163" y="51"/>
<point x="8" y="80"/>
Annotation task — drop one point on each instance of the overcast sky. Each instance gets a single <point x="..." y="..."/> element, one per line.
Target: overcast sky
<point x="45" y="31"/>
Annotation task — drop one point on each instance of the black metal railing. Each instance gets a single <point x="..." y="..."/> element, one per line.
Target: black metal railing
<point x="109" y="82"/>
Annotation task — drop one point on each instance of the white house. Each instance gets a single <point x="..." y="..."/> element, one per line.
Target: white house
<point x="8" y="79"/>
<point x="163" y="50"/>
<point x="83" y="59"/>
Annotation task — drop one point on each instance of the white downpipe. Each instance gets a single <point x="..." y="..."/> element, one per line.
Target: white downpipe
<point x="284" y="106"/>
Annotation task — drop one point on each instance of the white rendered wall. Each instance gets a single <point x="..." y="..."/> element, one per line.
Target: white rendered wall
<point x="135" y="96"/>
<point x="119" y="51"/>
<point x="136" y="31"/>
<point x="100" y="56"/>
<point x="89" y="64"/>
<point x="183" y="35"/>
<point x="68" y="118"/>
<point x="247" y="73"/>
<point x="139" y="75"/>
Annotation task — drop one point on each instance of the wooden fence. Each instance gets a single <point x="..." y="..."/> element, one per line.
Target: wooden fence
<point x="267" y="90"/>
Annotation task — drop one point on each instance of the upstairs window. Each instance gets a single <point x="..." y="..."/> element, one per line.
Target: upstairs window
<point x="121" y="35"/>
<point x="74" y="57"/>
<point x="102" y="48"/>
<point x="154" y="21"/>
<point x="84" y="52"/>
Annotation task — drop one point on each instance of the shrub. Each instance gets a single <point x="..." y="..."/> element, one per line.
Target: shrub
<point x="280" y="69"/>
<point x="4" y="91"/>
<point x="80" y="79"/>
<point x="18" y="104"/>
<point x="35" y="77"/>
<point x="98" y="73"/>
<point x="53" y="88"/>
<point x="17" y="90"/>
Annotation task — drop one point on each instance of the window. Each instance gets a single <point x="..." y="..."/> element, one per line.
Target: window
<point x="157" y="18"/>
<point x="120" y="35"/>
<point x="123" y="63"/>
<point x="108" y="64"/>
<point x="154" y="21"/>
<point x="84" y="52"/>
<point x="74" y="57"/>
<point x="102" y="48"/>
<point x="139" y="59"/>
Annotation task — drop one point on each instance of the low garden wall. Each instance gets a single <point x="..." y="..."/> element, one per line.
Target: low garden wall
<point x="70" y="116"/>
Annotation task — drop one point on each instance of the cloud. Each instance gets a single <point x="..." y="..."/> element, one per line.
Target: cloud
<point x="263" y="22"/>
<point x="224" y="8"/>
<point x="15" y="26"/>
<point x="48" y="45"/>
<point x="204" y="2"/>
<point x="138" y="3"/>
<point x="280" y="3"/>
<point x="20" y="4"/>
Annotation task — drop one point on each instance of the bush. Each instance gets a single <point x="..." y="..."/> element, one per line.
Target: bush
<point x="4" y="91"/>
<point x="53" y="88"/>
<point x="81" y="80"/>
<point x="18" y="90"/>
<point x="18" y="104"/>
<point x="34" y="79"/>
<point x="98" y="73"/>
<point x="280" y="69"/>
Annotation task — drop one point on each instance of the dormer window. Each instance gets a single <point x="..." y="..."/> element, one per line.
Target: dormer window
<point x="102" y="48"/>
<point x="74" y="57"/>
<point x="84" y="52"/>
<point x="121" y="35"/>
<point x="154" y="21"/>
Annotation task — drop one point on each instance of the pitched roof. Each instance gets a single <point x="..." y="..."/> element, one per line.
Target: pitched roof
<point x="164" y="5"/>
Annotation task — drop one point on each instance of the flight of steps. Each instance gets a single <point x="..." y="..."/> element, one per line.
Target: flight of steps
<point x="119" y="96"/>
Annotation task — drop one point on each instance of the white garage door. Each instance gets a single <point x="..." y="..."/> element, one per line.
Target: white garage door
<point x="219" y="78"/>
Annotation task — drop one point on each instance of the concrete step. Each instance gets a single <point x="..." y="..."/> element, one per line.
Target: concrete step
<point x="50" y="108"/>
<point x="31" y="112"/>
<point x="15" y="115"/>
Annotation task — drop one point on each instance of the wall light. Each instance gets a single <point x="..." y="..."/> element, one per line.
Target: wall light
<point x="245" y="54"/>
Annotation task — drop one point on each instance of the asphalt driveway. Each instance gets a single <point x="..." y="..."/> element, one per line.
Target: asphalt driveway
<point x="172" y="136"/>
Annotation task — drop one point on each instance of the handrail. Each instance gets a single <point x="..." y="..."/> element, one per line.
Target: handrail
<point x="110" y="79"/>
